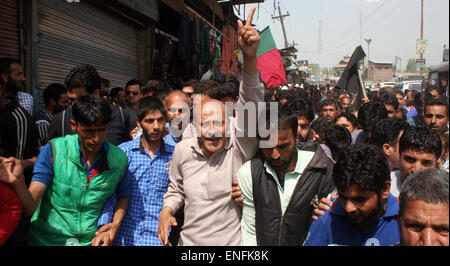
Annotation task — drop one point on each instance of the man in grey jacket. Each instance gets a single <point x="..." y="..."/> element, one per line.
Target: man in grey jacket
<point x="281" y="186"/>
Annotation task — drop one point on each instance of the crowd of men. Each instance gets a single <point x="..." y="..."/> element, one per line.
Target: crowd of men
<point x="149" y="165"/>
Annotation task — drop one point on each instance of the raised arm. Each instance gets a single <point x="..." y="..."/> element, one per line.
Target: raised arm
<point x="251" y="89"/>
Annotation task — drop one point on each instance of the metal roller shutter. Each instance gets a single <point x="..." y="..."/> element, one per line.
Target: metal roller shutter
<point x="9" y="33"/>
<point x="80" y="33"/>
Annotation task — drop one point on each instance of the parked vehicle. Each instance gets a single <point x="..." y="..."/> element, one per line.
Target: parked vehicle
<point x="387" y="84"/>
<point x="409" y="85"/>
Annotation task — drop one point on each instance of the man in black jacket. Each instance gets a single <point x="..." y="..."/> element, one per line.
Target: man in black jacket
<point x="84" y="80"/>
<point x="280" y="187"/>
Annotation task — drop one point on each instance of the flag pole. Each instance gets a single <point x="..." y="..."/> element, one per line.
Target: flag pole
<point x="361" y="83"/>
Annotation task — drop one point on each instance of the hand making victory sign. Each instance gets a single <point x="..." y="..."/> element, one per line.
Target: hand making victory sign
<point x="248" y="40"/>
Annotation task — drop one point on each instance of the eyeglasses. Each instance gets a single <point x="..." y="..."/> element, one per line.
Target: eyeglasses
<point x="135" y="93"/>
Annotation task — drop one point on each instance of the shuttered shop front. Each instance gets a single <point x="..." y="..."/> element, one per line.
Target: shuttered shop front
<point x="77" y="33"/>
<point x="9" y="43"/>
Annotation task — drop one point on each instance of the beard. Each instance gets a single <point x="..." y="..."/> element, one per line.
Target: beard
<point x="283" y="166"/>
<point x="147" y="136"/>
<point x="11" y="89"/>
<point x="58" y="108"/>
<point x="370" y="217"/>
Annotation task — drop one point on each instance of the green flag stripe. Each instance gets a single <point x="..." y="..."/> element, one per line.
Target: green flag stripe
<point x="267" y="43"/>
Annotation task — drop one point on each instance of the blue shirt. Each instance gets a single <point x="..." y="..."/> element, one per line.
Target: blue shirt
<point x="149" y="183"/>
<point x="170" y="139"/>
<point x="43" y="169"/>
<point x="335" y="229"/>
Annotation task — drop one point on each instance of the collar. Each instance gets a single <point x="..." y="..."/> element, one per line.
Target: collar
<point x="45" y="112"/>
<point x="320" y="159"/>
<point x="297" y="169"/>
<point x="103" y="151"/>
<point x="392" y="207"/>
<point x="162" y="148"/>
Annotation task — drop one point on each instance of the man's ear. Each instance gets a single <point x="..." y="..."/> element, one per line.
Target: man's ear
<point x="4" y="77"/>
<point x="138" y="123"/>
<point x="52" y="102"/>
<point x="73" y="125"/>
<point x="386" y="190"/>
<point x="387" y="149"/>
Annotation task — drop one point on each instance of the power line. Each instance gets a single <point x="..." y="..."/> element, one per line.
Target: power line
<point x="351" y="31"/>
<point x="341" y="42"/>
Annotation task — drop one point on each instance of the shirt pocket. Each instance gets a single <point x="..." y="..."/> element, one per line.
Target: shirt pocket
<point x="217" y="187"/>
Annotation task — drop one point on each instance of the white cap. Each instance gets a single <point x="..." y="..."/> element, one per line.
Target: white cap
<point x="284" y="88"/>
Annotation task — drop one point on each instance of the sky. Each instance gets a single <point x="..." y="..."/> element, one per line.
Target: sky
<point x="393" y="26"/>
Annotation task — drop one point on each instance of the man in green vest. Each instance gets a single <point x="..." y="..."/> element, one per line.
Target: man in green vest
<point x="73" y="178"/>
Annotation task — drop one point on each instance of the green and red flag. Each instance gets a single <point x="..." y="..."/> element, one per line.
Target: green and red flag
<point x="270" y="63"/>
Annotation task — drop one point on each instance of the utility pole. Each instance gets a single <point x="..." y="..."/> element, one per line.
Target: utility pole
<point x="281" y="18"/>
<point x="421" y="33"/>
<point x="360" y="28"/>
<point x="368" y="57"/>
<point x="320" y="27"/>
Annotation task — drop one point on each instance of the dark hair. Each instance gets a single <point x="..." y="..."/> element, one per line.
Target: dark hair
<point x="319" y="125"/>
<point x="400" y="93"/>
<point x="286" y="118"/>
<point x="361" y="165"/>
<point x="104" y="82"/>
<point x="389" y="99"/>
<point x="421" y="139"/>
<point x="104" y="93"/>
<point x="83" y="76"/>
<point x="441" y="101"/>
<point x="227" y="89"/>
<point x="331" y="102"/>
<point x="205" y="87"/>
<point x="5" y="64"/>
<point x="421" y="98"/>
<point x="353" y="109"/>
<point x="91" y="110"/>
<point x="233" y="79"/>
<point x="288" y="95"/>
<point x="53" y="91"/>
<point x="132" y="83"/>
<point x="115" y="92"/>
<point x="337" y="138"/>
<point x="190" y="83"/>
<point x="350" y="117"/>
<point x="370" y="113"/>
<point x="148" y="104"/>
<point x="387" y="131"/>
<point x="434" y="88"/>
<point x="302" y="108"/>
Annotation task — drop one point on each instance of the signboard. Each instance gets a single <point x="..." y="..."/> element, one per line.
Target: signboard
<point x="421" y="46"/>
<point x="420" y="63"/>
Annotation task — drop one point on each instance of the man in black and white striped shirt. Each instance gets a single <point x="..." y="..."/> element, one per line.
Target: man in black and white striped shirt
<point x="18" y="132"/>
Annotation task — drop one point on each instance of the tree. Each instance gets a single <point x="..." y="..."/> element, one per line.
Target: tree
<point x="411" y="66"/>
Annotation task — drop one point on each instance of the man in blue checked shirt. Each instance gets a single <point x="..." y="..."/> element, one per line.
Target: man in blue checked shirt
<point x="148" y="156"/>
